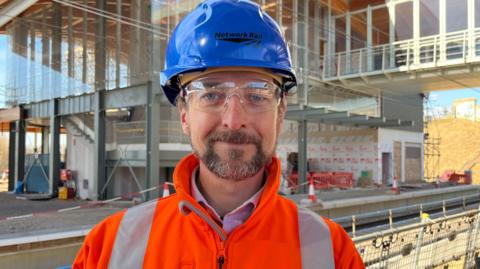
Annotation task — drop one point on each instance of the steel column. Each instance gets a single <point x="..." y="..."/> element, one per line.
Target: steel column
<point x="471" y="29"/>
<point x="153" y="140"/>
<point x="99" y="155"/>
<point x="84" y="44"/>
<point x="302" y="154"/>
<point x="100" y="48"/>
<point x="56" y="50"/>
<point x="54" y="152"/>
<point x="348" y="43"/>
<point x="118" y="43"/>
<point x="11" y="156"/>
<point x="443" y="29"/>
<point x="391" y="33"/>
<point x="416" y="32"/>
<point x="20" y="130"/>
<point x="370" y="55"/>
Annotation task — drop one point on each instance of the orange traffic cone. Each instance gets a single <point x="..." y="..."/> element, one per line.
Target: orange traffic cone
<point x="395" y="188"/>
<point x="166" y="190"/>
<point x="311" y="192"/>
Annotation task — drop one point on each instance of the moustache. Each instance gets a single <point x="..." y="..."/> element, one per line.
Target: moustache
<point x="233" y="137"/>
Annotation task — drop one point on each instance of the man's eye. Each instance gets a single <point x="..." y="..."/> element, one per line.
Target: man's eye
<point x="257" y="98"/>
<point x="211" y="97"/>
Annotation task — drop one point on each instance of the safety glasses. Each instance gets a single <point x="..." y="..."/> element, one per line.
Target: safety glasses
<point x="213" y="95"/>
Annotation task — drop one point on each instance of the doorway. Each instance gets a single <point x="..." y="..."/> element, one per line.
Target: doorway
<point x="386" y="167"/>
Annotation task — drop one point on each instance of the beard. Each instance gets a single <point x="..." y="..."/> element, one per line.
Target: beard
<point x="234" y="167"/>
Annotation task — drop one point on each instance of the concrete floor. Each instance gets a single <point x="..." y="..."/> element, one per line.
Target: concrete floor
<point x="46" y="216"/>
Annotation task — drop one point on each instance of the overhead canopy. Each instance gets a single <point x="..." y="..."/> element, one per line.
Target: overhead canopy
<point x="324" y="115"/>
<point x="13" y="9"/>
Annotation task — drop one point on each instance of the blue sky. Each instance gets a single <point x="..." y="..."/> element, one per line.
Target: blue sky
<point x="445" y="98"/>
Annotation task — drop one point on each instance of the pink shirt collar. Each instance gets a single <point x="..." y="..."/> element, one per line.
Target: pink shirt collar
<point x="232" y="219"/>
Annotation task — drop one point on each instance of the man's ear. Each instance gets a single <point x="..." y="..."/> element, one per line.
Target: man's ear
<point x="184" y="117"/>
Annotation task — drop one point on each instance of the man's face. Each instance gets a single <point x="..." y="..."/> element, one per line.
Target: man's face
<point x="235" y="141"/>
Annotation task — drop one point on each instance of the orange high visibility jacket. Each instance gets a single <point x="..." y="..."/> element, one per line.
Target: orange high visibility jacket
<point x="176" y="232"/>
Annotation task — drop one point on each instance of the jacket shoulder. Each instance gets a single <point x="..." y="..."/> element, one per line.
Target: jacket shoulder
<point x="98" y="244"/>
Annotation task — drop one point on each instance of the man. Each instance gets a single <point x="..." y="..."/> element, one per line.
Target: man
<point x="228" y="71"/>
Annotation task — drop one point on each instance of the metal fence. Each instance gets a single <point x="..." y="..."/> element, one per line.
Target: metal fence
<point x="447" y="242"/>
<point x="427" y="52"/>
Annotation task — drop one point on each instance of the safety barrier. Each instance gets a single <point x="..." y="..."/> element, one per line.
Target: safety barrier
<point x="447" y="242"/>
<point x="343" y="180"/>
<point x="324" y="180"/>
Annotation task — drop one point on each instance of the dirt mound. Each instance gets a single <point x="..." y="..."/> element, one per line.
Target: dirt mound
<point x="459" y="145"/>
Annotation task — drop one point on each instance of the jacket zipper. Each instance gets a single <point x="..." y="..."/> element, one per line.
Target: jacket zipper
<point x="221" y="257"/>
<point x="220" y="261"/>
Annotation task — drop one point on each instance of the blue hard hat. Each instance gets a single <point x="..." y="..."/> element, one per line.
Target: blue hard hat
<point x="225" y="33"/>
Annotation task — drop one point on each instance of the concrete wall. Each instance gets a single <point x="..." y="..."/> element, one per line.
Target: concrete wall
<point x="333" y="148"/>
<point x="80" y="161"/>
<point x="408" y="107"/>
<point x="386" y="140"/>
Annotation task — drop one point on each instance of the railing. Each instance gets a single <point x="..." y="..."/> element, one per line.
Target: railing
<point x="427" y="52"/>
<point x="450" y="241"/>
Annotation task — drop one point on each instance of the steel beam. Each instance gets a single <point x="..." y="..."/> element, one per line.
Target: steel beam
<point x="125" y="97"/>
<point x="355" y="119"/>
<point x="76" y="104"/>
<point x="306" y="113"/>
<point x="330" y="116"/>
<point x="54" y="152"/>
<point x="394" y="123"/>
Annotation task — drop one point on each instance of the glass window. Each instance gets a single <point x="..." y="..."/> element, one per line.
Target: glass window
<point x="477" y="13"/>
<point x="358" y="30"/>
<point x="340" y="38"/>
<point x="404" y="21"/>
<point x="457" y="15"/>
<point x="429" y="17"/>
<point x="380" y="26"/>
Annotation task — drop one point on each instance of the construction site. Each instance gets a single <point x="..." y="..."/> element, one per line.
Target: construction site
<point x="86" y="130"/>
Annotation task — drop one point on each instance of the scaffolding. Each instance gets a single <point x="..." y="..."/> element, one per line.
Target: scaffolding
<point x="431" y="146"/>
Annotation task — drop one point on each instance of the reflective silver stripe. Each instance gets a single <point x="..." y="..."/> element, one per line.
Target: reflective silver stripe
<point x="315" y="241"/>
<point x="132" y="237"/>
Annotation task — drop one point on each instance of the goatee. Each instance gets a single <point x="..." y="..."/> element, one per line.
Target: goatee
<point x="234" y="167"/>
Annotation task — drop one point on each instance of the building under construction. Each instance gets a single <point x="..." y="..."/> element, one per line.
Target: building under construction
<point x="81" y="89"/>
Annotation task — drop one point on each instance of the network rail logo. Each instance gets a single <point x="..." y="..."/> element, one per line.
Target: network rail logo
<point x="241" y="37"/>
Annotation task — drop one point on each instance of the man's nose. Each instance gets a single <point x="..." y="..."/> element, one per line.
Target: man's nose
<point x="234" y="115"/>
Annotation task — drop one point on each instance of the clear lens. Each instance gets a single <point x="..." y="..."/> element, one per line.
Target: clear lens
<point x="213" y="95"/>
